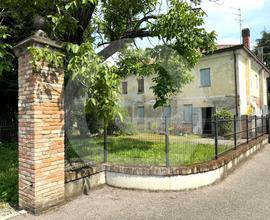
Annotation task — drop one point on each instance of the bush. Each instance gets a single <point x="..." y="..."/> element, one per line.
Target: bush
<point x="224" y="127"/>
<point x="94" y="124"/>
<point x="9" y="173"/>
<point x="116" y="127"/>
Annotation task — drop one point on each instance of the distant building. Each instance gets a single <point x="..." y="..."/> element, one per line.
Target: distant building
<point x="232" y="77"/>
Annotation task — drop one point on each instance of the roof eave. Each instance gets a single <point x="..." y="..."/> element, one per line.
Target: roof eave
<point x="241" y="46"/>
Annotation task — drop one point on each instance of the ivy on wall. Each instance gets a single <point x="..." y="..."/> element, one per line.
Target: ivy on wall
<point x="54" y="59"/>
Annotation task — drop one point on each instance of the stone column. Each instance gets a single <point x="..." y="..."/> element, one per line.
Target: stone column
<point x="41" y="129"/>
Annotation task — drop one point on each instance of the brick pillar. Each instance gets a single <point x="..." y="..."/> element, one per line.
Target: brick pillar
<point x="41" y="129"/>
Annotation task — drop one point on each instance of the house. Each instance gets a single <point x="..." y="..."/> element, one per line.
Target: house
<point x="231" y="77"/>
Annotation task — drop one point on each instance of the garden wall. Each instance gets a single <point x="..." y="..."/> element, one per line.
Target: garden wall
<point x="161" y="178"/>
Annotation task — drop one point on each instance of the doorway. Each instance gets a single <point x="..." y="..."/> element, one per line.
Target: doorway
<point x="206" y="120"/>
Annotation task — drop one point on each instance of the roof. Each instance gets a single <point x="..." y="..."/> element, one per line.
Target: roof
<point x="225" y="48"/>
<point x="222" y="46"/>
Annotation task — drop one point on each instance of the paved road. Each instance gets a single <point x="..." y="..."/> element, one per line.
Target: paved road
<point x="245" y="194"/>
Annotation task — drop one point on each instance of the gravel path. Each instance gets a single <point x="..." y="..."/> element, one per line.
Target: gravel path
<point x="245" y="194"/>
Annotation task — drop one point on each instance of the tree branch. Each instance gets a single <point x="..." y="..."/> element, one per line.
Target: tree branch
<point x="146" y="18"/>
<point x="119" y="44"/>
<point x="114" y="47"/>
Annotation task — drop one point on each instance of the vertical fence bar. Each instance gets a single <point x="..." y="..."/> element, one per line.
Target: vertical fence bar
<point x="105" y="144"/>
<point x="234" y="132"/>
<point x="268" y="124"/>
<point x="167" y="142"/>
<point x="247" y="130"/>
<point x="216" y="137"/>
<point x="262" y="125"/>
<point x="256" y="126"/>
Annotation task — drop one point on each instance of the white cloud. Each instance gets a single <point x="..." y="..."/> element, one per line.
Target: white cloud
<point x="223" y="19"/>
<point x="244" y="4"/>
<point x="228" y="41"/>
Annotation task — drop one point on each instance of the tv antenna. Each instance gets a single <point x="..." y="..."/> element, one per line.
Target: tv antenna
<point x="239" y="20"/>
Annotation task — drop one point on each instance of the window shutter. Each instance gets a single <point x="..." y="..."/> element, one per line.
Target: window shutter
<point x="141" y="85"/>
<point x="188" y="113"/>
<point x="124" y="87"/>
<point x="205" y="79"/>
<point x="140" y="114"/>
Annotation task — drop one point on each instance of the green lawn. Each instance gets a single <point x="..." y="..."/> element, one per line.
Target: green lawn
<point x="140" y="149"/>
<point x="8" y="173"/>
<point x="143" y="149"/>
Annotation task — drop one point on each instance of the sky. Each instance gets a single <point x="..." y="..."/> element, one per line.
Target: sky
<point x="223" y="18"/>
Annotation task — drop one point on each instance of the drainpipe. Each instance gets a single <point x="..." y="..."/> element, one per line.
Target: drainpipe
<point x="261" y="94"/>
<point x="235" y="83"/>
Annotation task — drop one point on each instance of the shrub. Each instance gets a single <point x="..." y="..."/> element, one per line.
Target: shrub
<point x="116" y="127"/>
<point x="224" y="116"/>
<point x="9" y="173"/>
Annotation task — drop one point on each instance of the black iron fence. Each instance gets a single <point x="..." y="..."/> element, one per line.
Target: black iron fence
<point x="240" y="130"/>
<point x="163" y="142"/>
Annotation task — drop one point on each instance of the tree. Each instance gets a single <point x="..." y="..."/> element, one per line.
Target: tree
<point x="264" y="42"/>
<point x="173" y="70"/>
<point x="84" y="25"/>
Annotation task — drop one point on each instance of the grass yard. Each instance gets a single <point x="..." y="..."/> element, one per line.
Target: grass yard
<point x="143" y="149"/>
<point x="8" y="174"/>
<point x="140" y="149"/>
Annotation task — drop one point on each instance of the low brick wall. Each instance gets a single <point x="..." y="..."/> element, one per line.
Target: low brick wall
<point x="83" y="180"/>
<point x="161" y="178"/>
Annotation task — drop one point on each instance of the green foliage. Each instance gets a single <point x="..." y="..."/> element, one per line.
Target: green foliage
<point x="83" y="61"/>
<point x="54" y="59"/>
<point x="169" y="71"/>
<point x="182" y="28"/>
<point x="104" y="95"/>
<point x="6" y="56"/>
<point x="120" y="16"/>
<point x="226" y="122"/>
<point x="172" y="74"/>
<point x="94" y="124"/>
<point x="98" y="79"/>
<point x="84" y="24"/>
<point x="135" y="62"/>
<point x="122" y="126"/>
<point x="117" y="127"/>
<point x="9" y="173"/>
<point x="264" y="42"/>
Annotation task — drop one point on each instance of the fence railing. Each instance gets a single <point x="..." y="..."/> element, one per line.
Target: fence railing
<point x="166" y="141"/>
<point x="243" y="130"/>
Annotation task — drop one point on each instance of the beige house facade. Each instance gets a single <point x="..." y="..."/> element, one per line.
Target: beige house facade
<point x="232" y="77"/>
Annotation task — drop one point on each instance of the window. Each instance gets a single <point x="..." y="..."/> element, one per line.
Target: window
<point x="205" y="79"/>
<point x="140" y="114"/>
<point x="140" y="85"/>
<point x="167" y="111"/>
<point x="124" y="87"/>
<point x="188" y="113"/>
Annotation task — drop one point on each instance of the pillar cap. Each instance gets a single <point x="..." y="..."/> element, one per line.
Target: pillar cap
<point x="39" y="39"/>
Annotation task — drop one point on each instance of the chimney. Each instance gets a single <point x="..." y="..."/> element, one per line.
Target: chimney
<point x="246" y="37"/>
